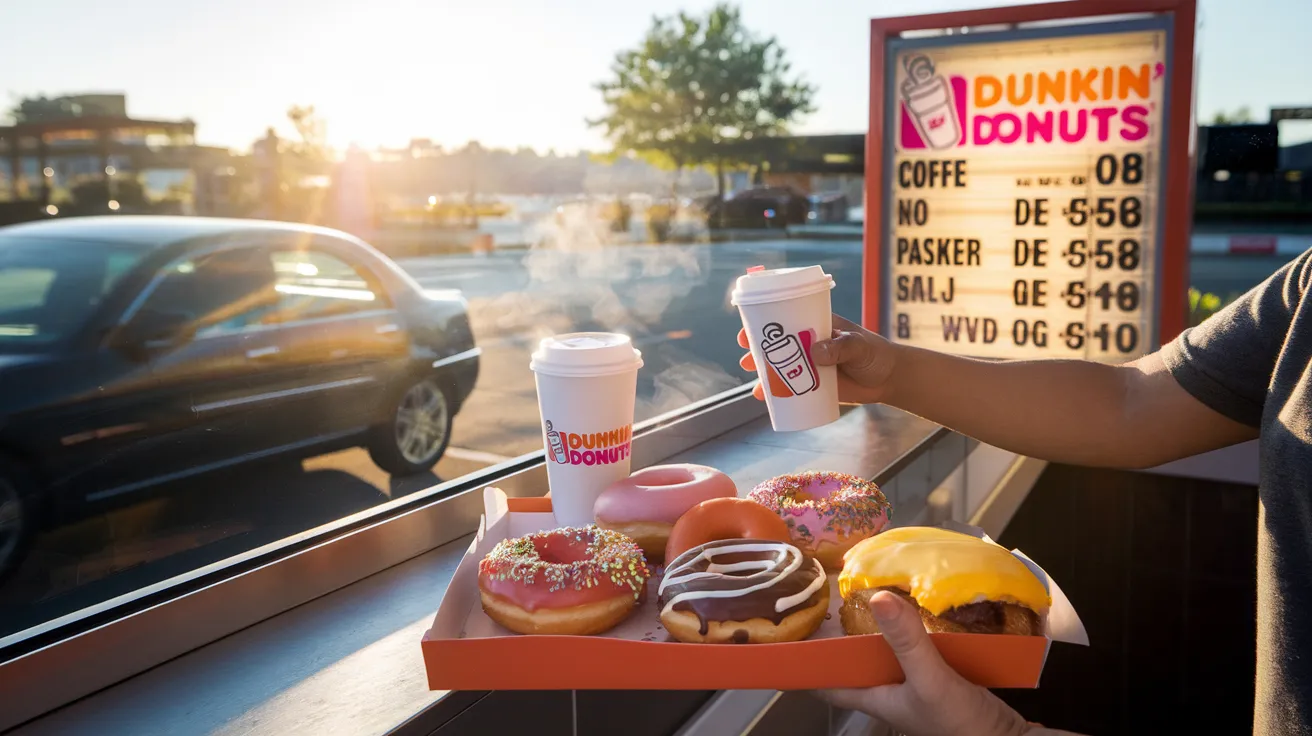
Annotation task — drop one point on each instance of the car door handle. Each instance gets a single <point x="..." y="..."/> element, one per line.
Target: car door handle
<point x="386" y="329"/>
<point x="265" y="352"/>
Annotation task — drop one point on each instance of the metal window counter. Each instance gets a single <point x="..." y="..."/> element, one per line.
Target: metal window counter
<point x="349" y="662"/>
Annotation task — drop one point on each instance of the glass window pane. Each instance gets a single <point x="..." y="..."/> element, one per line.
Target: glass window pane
<point x="48" y="291"/>
<point x="25" y="287"/>
<point x="224" y="323"/>
<point x="217" y="293"/>
<point x="313" y="284"/>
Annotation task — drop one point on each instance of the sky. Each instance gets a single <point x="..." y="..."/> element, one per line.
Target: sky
<point x="507" y="73"/>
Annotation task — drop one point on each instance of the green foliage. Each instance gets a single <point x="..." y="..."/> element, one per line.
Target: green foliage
<point x="311" y="131"/>
<point x="1204" y="305"/>
<point x="1241" y="115"/>
<point x="694" y="86"/>
<point x="39" y="108"/>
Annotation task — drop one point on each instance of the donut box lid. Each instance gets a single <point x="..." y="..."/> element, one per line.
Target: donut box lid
<point x="466" y="650"/>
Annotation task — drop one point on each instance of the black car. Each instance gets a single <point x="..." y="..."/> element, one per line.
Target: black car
<point x="759" y="207"/>
<point x="138" y="350"/>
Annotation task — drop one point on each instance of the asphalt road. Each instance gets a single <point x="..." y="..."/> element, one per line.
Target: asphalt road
<point x="672" y="299"/>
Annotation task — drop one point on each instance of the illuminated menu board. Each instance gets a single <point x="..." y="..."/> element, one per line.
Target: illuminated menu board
<point x="1024" y="184"/>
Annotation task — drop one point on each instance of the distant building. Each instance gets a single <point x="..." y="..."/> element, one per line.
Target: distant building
<point x="1297" y="157"/>
<point x="84" y="153"/>
<point x="1242" y="171"/>
<point x="45" y="109"/>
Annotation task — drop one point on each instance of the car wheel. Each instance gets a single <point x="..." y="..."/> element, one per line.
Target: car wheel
<point x="417" y="433"/>
<point x="16" y="516"/>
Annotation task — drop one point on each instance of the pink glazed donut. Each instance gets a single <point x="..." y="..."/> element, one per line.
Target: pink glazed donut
<point x="645" y="505"/>
<point x="826" y="513"/>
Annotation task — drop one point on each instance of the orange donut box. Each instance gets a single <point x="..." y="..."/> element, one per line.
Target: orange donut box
<point x="466" y="650"/>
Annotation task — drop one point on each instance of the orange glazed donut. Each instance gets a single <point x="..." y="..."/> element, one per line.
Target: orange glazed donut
<point x="563" y="581"/>
<point x="724" y="518"/>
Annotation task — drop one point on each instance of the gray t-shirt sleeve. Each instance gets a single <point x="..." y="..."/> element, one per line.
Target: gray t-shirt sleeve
<point x="1227" y="362"/>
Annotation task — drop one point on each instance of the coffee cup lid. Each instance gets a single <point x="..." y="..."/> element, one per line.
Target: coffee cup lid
<point x="779" y="284"/>
<point x="585" y="354"/>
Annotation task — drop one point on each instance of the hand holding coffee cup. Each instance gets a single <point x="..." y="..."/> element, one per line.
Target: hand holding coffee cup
<point x="864" y="361"/>
<point x="785" y="311"/>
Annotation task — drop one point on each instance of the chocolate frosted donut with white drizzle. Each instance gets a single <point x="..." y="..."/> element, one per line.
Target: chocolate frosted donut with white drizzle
<point x="743" y="591"/>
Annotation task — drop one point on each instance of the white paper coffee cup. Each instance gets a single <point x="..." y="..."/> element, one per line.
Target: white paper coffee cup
<point x="587" y="384"/>
<point x="785" y="311"/>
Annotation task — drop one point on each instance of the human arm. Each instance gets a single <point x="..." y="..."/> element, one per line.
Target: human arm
<point x="1135" y="415"/>
<point x="1208" y="388"/>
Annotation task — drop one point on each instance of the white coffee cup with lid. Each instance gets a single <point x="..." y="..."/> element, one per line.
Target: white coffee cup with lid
<point x="785" y="311"/>
<point x="587" y="384"/>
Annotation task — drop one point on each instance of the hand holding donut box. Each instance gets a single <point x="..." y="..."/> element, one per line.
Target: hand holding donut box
<point x="753" y="586"/>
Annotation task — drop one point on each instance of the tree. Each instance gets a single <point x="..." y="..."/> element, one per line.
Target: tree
<point x="696" y="86"/>
<point x="298" y="168"/>
<point x="312" y="132"/>
<point x="40" y="109"/>
<point x="1241" y="115"/>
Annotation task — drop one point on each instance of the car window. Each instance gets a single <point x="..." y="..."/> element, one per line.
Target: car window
<point x="24" y="287"/>
<point x="117" y="265"/>
<point x="218" y="293"/>
<point x="49" y="289"/>
<point x="312" y="284"/>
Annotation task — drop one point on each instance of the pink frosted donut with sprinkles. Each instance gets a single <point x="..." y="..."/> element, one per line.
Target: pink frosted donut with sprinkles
<point x="826" y="513"/>
<point x="576" y="581"/>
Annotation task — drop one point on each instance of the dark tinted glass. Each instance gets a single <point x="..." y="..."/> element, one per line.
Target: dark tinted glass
<point x="49" y="289"/>
<point x="219" y="292"/>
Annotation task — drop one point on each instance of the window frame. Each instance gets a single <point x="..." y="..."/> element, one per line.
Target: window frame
<point x="62" y="660"/>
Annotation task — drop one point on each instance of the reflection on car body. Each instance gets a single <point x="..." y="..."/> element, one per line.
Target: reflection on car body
<point x="140" y="350"/>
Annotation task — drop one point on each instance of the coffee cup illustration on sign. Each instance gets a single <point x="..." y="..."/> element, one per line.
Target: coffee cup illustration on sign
<point x="928" y="100"/>
<point x="789" y="357"/>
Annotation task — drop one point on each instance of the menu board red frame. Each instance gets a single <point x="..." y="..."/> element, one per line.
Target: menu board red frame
<point x="1177" y="208"/>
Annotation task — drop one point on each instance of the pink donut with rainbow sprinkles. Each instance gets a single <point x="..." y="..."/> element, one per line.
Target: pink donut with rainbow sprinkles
<point x="826" y="513"/>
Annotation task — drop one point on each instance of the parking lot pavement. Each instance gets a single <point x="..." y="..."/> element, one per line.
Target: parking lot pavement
<point x="672" y="299"/>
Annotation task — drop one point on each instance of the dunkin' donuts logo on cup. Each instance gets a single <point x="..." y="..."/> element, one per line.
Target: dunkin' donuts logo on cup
<point x="592" y="448"/>
<point x="1062" y="104"/>
<point x="790" y="368"/>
